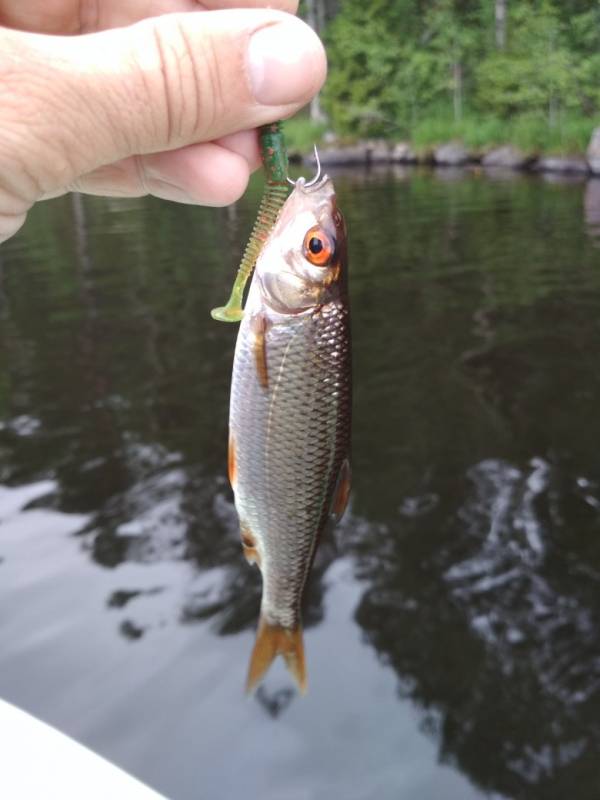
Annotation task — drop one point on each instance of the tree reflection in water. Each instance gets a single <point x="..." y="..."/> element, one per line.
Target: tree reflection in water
<point x="499" y="633"/>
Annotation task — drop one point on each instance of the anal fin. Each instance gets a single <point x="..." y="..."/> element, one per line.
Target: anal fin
<point x="250" y="546"/>
<point x="231" y="462"/>
<point x="342" y="491"/>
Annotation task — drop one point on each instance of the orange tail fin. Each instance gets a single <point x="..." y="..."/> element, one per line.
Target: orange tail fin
<point x="271" y="641"/>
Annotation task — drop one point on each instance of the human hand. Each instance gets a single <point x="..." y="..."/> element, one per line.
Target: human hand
<point x="106" y="97"/>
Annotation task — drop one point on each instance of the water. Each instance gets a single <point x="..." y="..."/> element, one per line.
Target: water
<point x="453" y="637"/>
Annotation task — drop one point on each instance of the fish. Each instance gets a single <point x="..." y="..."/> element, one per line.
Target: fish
<point x="290" y="413"/>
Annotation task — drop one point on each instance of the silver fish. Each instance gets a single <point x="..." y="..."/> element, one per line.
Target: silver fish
<point x="290" y="412"/>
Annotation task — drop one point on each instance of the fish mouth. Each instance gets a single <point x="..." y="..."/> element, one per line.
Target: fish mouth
<point x="313" y="185"/>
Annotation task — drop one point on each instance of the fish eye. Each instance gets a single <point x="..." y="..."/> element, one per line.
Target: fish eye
<point x="319" y="247"/>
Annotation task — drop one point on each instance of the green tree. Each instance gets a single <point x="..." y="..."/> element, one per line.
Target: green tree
<point x="391" y="60"/>
<point x="452" y="37"/>
<point x="397" y="64"/>
<point x="535" y="74"/>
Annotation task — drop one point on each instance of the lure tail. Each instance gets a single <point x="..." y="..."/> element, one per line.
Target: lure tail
<point x="271" y="641"/>
<point x="274" y="157"/>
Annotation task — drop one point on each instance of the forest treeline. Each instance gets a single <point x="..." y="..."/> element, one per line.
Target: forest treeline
<point x="481" y="70"/>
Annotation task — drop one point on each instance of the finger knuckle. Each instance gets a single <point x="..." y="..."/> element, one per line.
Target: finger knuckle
<point x="28" y="128"/>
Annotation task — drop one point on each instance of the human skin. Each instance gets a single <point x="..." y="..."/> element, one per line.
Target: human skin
<point x="135" y="97"/>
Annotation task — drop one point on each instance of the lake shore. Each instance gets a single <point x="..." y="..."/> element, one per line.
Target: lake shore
<point x="451" y="154"/>
<point x="477" y="143"/>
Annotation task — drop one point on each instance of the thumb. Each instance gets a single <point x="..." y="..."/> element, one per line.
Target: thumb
<point x="71" y="104"/>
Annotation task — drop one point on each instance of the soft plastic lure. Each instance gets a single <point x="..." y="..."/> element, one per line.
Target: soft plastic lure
<point x="277" y="189"/>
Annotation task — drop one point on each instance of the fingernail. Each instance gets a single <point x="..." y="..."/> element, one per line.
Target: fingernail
<point x="286" y="63"/>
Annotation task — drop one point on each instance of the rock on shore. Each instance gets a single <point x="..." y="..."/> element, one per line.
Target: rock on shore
<point x="508" y="157"/>
<point x="593" y="152"/>
<point x="370" y="151"/>
<point x="341" y="156"/>
<point x="573" y="164"/>
<point x="452" y="154"/>
<point x="402" y="153"/>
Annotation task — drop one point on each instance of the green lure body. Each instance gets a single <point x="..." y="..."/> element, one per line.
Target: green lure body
<point x="275" y="163"/>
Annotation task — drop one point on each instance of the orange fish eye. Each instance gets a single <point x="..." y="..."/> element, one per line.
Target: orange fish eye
<point x="318" y="247"/>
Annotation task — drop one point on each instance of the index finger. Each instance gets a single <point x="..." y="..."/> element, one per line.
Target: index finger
<point x="65" y="17"/>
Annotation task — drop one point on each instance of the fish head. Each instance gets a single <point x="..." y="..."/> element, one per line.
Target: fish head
<point x="303" y="263"/>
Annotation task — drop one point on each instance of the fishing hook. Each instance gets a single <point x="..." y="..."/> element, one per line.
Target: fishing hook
<point x="314" y="180"/>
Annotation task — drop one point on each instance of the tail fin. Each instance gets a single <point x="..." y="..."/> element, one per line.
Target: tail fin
<point x="271" y="641"/>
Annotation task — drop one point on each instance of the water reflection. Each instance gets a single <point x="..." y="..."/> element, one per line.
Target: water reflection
<point x="455" y="612"/>
<point x="591" y="206"/>
<point x="500" y="634"/>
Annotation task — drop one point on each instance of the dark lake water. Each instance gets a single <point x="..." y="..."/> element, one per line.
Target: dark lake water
<point x="452" y="620"/>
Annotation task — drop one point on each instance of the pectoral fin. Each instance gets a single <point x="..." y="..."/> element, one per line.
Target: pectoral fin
<point x="258" y="326"/>
<point x="271" y="641"/>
